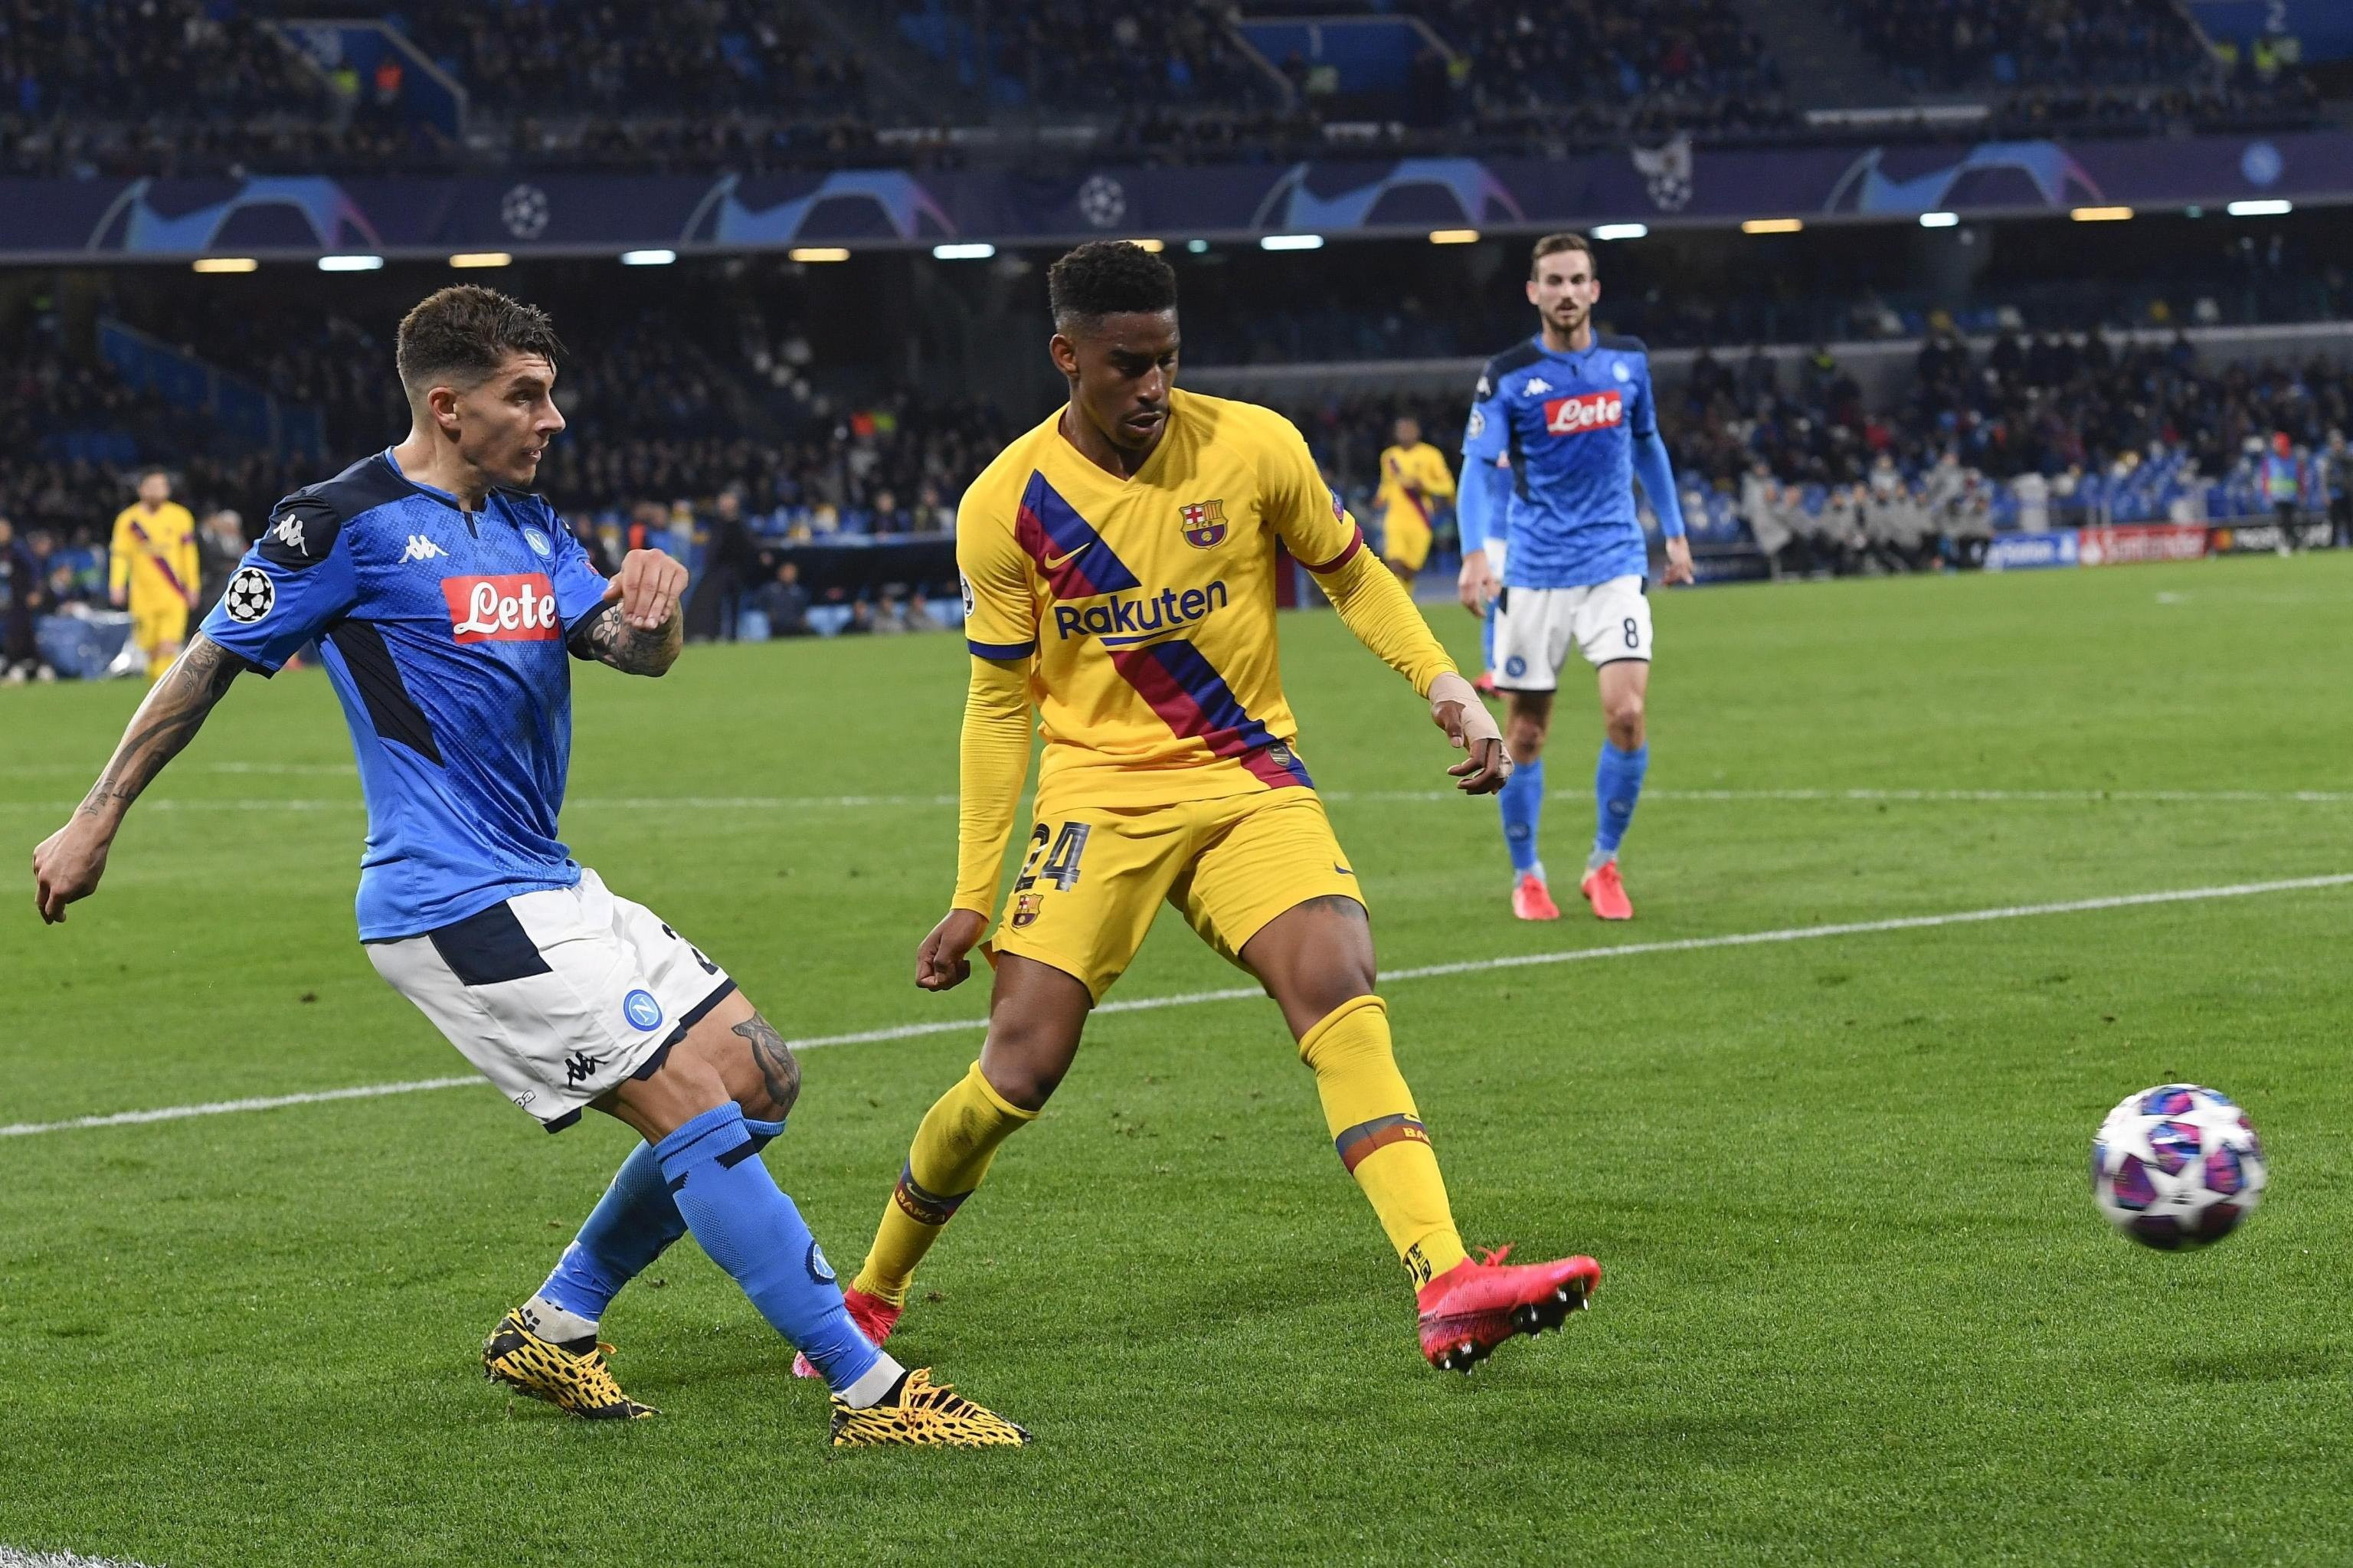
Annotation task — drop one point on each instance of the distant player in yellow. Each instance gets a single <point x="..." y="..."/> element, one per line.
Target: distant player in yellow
<point x="1414" y="480"/>
<point x="153" y="568"/>
<point x="1118" y="566"/>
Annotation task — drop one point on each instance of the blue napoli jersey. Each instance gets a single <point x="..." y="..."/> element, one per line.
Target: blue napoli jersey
<point x="443" y="632"/>
<point x="1568" y="423"/>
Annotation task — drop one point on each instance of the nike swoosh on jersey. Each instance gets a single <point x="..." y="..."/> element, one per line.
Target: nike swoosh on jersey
<point x="1056" y="563"/>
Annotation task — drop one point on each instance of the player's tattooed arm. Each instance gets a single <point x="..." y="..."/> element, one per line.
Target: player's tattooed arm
<point x="162" y="726"/>
<point x="641" y="625"/>
<point x="69" y="861"/>
<point x="608" y="637"/>
<point x="778" y="1068"/>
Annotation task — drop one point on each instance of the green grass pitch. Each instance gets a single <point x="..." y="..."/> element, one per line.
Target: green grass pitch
<point x="1858" y="1309"/>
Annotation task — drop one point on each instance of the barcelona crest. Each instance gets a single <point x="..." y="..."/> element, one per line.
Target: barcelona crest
<point x="1025" y="909"/>
<point x="1205" y="524"/>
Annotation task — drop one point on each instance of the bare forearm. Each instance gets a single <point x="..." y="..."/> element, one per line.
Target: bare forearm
<point x="608" y="637"/>
<point x="162" y="727"/>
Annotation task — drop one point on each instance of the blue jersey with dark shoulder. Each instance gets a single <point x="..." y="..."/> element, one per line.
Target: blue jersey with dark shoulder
<point x="443" y="632"/>
<point x="1568" y="422"/>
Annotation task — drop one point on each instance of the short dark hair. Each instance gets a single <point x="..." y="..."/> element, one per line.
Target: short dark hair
<point x="459" y="336"/>
<point x="1554" y="244"/>
<point x="155" y="470"/>
<point x="1108" y="278"/>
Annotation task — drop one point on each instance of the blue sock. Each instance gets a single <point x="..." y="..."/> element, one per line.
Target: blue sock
<point x="1487" y="638"/>
<point x="631" y="1226"/>
<point x="1522" y="797"/>
<point x="1617" y="785"/>
<point x="753" y="1231"/>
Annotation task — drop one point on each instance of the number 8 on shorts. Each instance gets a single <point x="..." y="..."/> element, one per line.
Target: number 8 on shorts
<point x="1536" y="627"/>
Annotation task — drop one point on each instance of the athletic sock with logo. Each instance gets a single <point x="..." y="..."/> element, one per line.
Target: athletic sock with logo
<point x="1378" y="1134"/>
<point x="752" y="1230"/>
<point x="1521" y="799"/>
<point x="1617" y="785"/>
<point x="950" y="1155"/>
<point x="631" y="1226"/>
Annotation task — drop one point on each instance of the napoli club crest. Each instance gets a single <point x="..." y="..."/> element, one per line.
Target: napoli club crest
<point x="1205" y="524"/>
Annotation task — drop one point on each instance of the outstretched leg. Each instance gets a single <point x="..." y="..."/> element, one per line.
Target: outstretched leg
<point x="1317" y="962"/>
<point x="1035" y="1018"/>
<point x="637" y="1220"/>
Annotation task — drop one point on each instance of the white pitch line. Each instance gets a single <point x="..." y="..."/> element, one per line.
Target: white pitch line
<point x="223" y="1108"/>
<point x="869" y="802"/>
<point x="1245" y="993"/>
<point x="18" y="1557"/>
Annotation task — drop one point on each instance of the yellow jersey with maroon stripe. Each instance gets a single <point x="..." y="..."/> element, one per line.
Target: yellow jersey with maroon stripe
<point x="1145" y="605"/>
<point x="153" y="557"/>
<point x="1412" y="477"/>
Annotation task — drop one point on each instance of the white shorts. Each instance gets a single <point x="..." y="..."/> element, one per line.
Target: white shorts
<point x="558" y="995"/>
<point x="1538" y="627"/>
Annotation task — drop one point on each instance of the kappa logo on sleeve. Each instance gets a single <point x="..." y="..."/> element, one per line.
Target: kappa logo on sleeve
<point x="517" y="607"/>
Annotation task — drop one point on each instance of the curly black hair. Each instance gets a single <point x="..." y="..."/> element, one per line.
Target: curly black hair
<point x="461" y="334"/>
<point x="1108" y="278"/>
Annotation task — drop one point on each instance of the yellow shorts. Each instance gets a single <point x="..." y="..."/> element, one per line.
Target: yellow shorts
<point x="1405" y="538"/>
<point x="1095" y="877"/>
<point x="154" y="625"/>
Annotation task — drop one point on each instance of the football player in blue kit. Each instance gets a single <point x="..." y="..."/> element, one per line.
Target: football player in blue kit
<point x="445" y="599"/>
<point x="1561" y="428"/>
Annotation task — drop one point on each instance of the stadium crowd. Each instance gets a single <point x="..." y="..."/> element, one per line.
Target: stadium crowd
<point x="696" y="443"/>
<point x="202" y="87"/>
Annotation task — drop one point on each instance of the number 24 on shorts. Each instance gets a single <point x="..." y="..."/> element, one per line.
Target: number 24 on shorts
<point x="1060" y="864"/>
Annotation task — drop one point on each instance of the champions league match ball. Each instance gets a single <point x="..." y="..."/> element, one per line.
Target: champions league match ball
<point x="2177" y="1166"/>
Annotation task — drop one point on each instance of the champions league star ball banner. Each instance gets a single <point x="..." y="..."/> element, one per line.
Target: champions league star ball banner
<point x="66" y="220"/>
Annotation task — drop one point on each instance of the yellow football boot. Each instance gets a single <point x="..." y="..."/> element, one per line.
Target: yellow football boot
<point x="924" y="1415"/>
<point x="576" y="1381"/>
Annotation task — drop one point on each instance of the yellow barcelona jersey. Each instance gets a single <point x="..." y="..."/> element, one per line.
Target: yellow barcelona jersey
<point x="1145" y="606"/>
<point x="1406" y="470"/>
<point x="153" y="555"/>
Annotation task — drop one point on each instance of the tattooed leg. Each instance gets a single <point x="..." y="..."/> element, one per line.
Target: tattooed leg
<point x="780" y="1071"/>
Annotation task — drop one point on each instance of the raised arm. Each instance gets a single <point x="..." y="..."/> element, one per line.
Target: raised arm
<point x="1375" y="605"/>
<point x="640" y="624"/>
<point x="69" y="861"/>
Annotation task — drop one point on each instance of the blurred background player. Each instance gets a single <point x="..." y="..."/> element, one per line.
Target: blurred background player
<point x="152" y="569"/>
<point x="1118" y="560"/>
<point x="1414" y="481"/>
<point x="1574" y="413"/>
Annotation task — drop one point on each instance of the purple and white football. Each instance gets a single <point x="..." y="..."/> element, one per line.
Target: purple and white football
<point x="2177" y="1166"/>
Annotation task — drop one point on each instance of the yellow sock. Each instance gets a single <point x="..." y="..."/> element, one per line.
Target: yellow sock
<point x="1379" y="1134"/>
<point x="951" y="1154"/>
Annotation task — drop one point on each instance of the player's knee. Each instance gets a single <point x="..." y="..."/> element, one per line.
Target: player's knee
<point x="1524" y="738"/>
<point x="779" y="1089"/>
<point x="1024" y="1063"/>
<point x="1624" y="716"/>
<point x="1330" y="1043"/>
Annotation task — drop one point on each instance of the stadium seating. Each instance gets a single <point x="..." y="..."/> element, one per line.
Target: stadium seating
<point x="2013" y="43"/>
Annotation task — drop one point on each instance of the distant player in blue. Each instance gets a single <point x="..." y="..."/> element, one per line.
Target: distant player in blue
<point x="445" y="599"/>
<point x="1561" y="428"/>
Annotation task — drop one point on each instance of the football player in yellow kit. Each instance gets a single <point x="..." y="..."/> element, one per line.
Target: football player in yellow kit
<point x="151" y="569"/>
<point x="1119" y="567"/>
<point x="1414" y="480"/>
